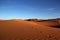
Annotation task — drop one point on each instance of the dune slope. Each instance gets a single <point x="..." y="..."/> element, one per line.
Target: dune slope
<point x="26" y="30"/>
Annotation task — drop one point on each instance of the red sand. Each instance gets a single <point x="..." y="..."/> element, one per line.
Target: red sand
<point x="28" y="30"/>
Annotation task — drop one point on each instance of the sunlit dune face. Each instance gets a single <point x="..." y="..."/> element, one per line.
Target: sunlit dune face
<point x="26" y="22"/>
<point x="28" y="30"/>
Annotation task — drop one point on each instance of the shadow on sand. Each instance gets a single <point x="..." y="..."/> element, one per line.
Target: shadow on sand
<point x="56" y="26"/>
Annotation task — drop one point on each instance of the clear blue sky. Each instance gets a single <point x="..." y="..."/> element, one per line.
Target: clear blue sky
<point x="22" y="9"/>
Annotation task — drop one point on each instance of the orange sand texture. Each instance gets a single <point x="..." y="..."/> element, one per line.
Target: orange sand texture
<point x="29" y="30"/>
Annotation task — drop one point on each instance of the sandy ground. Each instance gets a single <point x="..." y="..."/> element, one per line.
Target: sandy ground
<point x="28" y="30"/>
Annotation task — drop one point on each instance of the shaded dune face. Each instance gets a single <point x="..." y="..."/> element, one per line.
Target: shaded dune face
<point x="51" y="22"/>
<point x="26" y="30"/>
<point x="54" y="23"/>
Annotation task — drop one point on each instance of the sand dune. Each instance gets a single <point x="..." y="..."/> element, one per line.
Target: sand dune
<point x="28" y="30"/>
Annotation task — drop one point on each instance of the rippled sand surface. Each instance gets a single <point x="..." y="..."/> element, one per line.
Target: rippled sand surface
<point x="28" y="30"/>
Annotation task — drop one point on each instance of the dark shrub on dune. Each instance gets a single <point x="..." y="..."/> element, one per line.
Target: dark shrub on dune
<point x="32" y="20"/>
<point x="28" y="20"/>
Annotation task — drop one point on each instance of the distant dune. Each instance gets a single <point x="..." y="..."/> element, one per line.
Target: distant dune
<point x="30" y="30"/>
